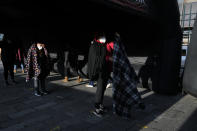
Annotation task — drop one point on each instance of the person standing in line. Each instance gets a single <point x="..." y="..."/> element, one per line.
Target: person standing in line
<point x="8" y="57"/>
<point x="125" y="93"/>
<point x="146" y="71"/>
<point x="37" y="67"/>
<point x="19" y="60"/>
<point x="63" y="64"/>
<point x="99" y="68"/>
<point x="73" y="64"/>
<point x="67" y="61"/>
<point x="91" y="81"/>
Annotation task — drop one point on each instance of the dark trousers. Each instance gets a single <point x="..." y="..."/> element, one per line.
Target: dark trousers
<point x="39" y="84"/>
<point x="145" y="74"/>
<point x="73" y="63"/>
<point x="145" y="82"/>
<point x="101" y="87"/>
<point x="66" y="61"/>
<point x="8" y="67"/>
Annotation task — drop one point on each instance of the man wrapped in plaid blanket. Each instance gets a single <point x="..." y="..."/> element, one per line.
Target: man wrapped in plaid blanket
<point x="124" y="82"/>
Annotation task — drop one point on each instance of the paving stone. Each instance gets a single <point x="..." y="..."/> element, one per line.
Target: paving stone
<point x="36" y="127"/>
<point x="6" y="110"/>
<point x="164" y="124"/>
<point x="32" y="100"/>
<point x="40" y="118"/>
<point x="14" y="127"/>
<point x="4" y="117"/>
<point x="44" y="106"/>
<point x="6" y="124"/>
<point x="8" y="100"/>
<point x="20" y="114"/>
<point x="68" y="109"/>
<point x="103" y="126"/>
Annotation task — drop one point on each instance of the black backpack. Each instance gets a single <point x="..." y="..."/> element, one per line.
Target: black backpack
<point x="96" y="59"/>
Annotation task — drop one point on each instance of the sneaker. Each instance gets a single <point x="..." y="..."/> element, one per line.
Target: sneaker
<point x="22" y="71"/>
<point x="45" y="92"/>
<point x="38" y="94"/>
<point x="102" y="108"/>
<point x="88" y="85"/>
<point x="98" y="112"/>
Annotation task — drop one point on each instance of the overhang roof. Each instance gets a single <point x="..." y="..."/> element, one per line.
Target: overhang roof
<point x="131" y="6"/>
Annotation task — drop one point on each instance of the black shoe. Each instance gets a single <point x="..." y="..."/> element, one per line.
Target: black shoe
<point x="98" y="113"/>
<point x="38" y="93"/>
<point x="44" y="92"/>
<point x="102" y="108"/>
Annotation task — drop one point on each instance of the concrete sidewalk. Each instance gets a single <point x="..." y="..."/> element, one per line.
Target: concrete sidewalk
<point x="69" y="106"/>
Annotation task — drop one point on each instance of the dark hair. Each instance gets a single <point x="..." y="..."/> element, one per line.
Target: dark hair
<point x="39" y="41"/>
<point x="99" y="35"/>
<point x="110" y="36"/>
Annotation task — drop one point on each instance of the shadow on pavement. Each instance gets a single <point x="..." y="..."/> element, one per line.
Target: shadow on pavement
<point x="69" y="107"/>
<point x="190" y="123"/>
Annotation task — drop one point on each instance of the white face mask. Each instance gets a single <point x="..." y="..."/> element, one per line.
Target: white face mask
<point x="39" y="47"/>
<point x="102" y="40"/>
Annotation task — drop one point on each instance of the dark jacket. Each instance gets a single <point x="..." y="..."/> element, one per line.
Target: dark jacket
<point x="96" y="60"/>
<point x="8" y="52"/>
<point x="146" y="71"/>
<point x="37" y="64"/>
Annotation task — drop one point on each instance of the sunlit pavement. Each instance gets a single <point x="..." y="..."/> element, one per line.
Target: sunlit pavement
<point x="69" y="106"/>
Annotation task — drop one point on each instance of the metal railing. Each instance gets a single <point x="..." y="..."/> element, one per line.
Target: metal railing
<point x="187" y="19"/>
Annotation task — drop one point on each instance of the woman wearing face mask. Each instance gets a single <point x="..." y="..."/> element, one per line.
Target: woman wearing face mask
<point x="37" y="67"/>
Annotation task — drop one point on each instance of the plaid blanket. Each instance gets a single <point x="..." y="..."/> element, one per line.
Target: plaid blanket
<point x="124" y="82"/>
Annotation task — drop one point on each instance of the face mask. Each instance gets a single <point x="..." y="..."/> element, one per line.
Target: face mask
<point x="102" y="40"/>
<point x="39" y="47"/>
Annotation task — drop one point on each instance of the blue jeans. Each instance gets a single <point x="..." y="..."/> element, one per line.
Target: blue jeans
<point x="22" y="67"/>
<point x="91" y="83"/>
